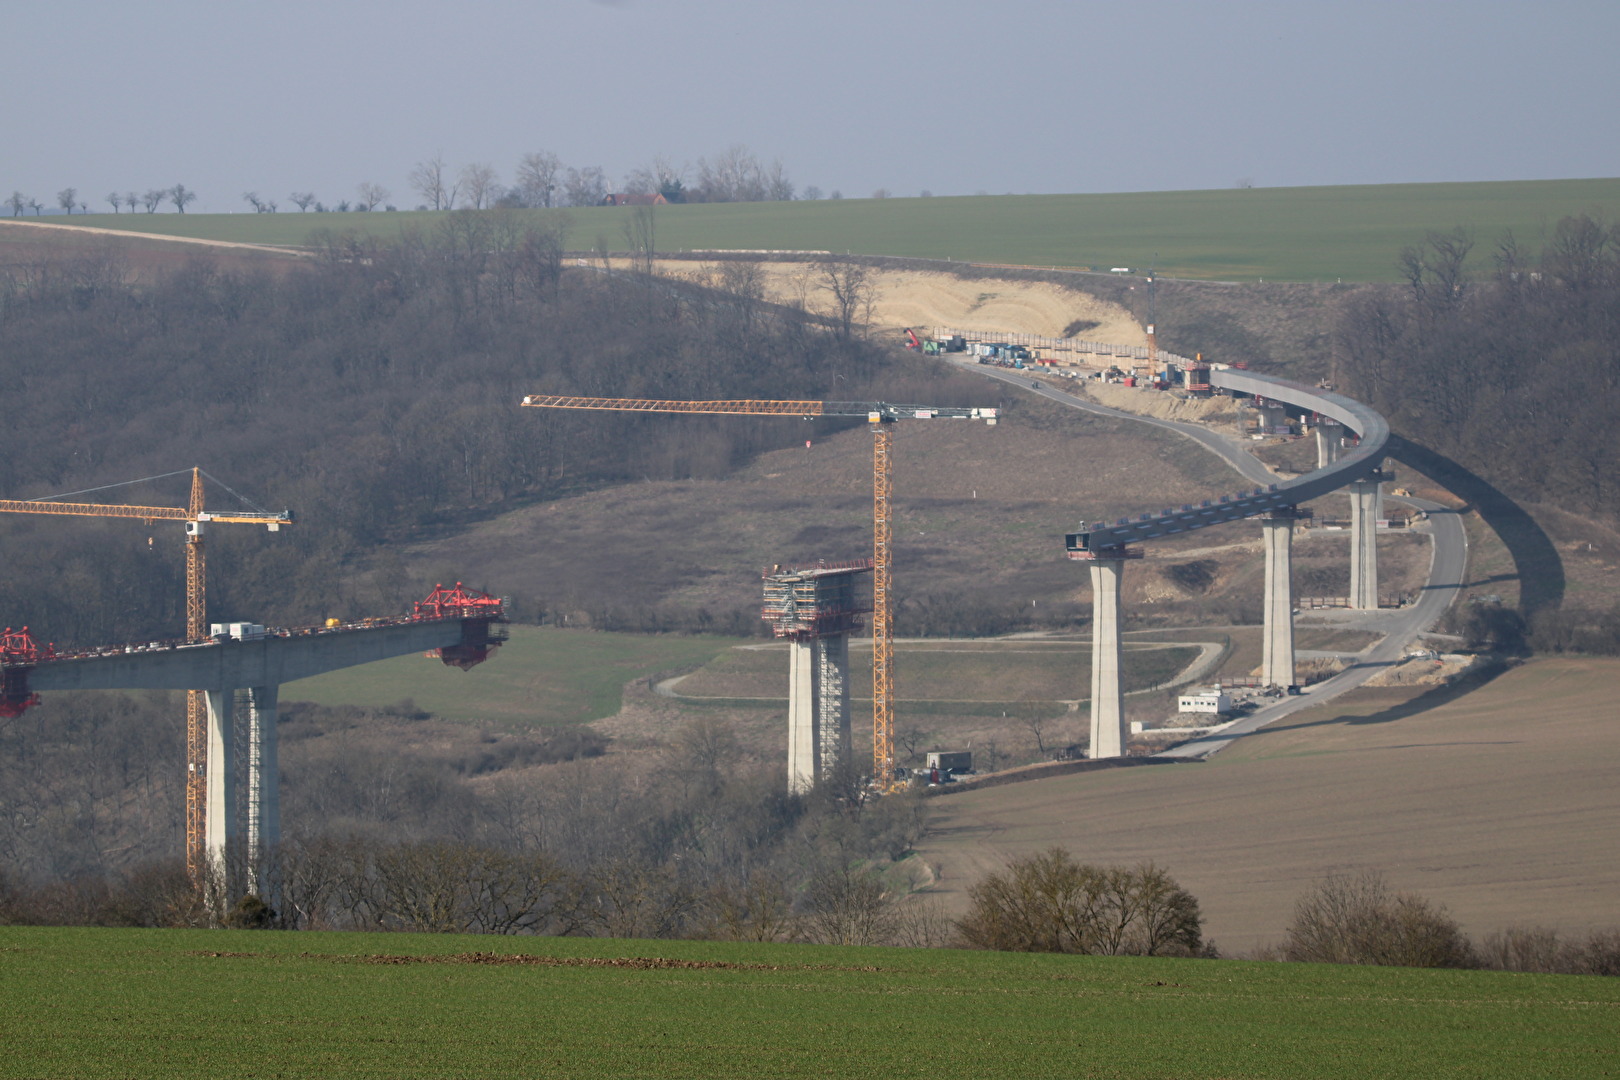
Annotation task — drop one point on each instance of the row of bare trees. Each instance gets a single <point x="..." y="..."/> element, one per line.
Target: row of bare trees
<point x="1358" y="919"/>
<point x="179" y="196"/>
<point x="1509" y="365"/>
<point x="542" y="180"/>
<point x="369" y="196"/>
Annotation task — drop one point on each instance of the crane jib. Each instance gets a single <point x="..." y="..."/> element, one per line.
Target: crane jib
<point x="872" y="410"/>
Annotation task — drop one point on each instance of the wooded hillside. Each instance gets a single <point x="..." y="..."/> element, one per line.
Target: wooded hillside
<point x="374" y="390"/>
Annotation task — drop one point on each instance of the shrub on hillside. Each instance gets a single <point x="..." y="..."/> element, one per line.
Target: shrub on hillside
<point x="1542" y="951"/>
<point x="1051" y="903"/>
<point x="1356" y="920"/>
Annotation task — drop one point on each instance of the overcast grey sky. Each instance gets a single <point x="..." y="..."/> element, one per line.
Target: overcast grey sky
<point x="952" y="96"/>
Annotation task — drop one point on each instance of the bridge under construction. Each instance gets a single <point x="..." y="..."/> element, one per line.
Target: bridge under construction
<point x="239" y="670"/>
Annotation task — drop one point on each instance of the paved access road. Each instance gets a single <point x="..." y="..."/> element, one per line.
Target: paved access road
<point x="1400" y="628"/>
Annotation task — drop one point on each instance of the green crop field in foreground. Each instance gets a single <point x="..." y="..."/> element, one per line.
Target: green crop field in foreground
<point x="542" y="676"/>
<point x="87" y="1003"/>
<point x="1354" y="233"/>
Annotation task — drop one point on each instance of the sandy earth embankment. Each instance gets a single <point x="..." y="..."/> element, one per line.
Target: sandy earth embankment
<point x="925" y="299"/>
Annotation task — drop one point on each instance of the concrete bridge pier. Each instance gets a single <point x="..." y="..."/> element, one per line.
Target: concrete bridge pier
<point x="1366" y="501"/>
<point x="1107" y="693"/>
<point x="1278" y="665"/>
<point x="241" y="830"/>
<point x="1329" y="442"/>
<point x="818" y="708"/>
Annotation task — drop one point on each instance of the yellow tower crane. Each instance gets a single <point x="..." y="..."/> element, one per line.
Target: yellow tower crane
<point x="197" y="519"/>
<point x="880" y="415"/>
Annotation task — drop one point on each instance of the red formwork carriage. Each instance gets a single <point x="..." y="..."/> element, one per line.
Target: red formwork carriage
<point x="19" y="651"/>
<point x="482" y="615"/>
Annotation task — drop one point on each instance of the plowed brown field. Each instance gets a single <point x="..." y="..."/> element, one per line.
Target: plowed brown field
<point x="1501" y="803"/>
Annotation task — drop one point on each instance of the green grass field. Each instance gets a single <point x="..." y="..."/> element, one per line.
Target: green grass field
<point x="87" y="1003"/>
<point x="1278" y="234"/>
<point x="542" y="676"/>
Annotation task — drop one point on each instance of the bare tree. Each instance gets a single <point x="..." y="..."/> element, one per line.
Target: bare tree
<point x="759" y="908"/>
<point x="585" y="187"/>
<point x="848" y="906"/>
<point x="181" y="196"/>
<point x="853" y="292"/>
<point x="811" y="193"/>
<point x="639" y="182"/>
<point x="302" y="199"/>
<point x="116" y="200"/>
<point x="131" y="200"/>
<point x="67" y="199"/>
<point x="881" y="193"/>
<point x="153" y="198"/>
<point x="428" y="179"/>
<point x="18" y="203"/>
<point x="479" y="183"/>
<point x="640" y="233"/>
<point x="1348" y="919"/>
<point x="1050" y="903"/>
<point x="36" y="206"/>
<point x="911" y="739"/>
<point x="1034" y="719"/>
<point x="735" y="175"/>
<point x="537" y="178"/>
<point x="371" y="195"/>
<point x="778" y="188"/>
<point x="253" y="200"/>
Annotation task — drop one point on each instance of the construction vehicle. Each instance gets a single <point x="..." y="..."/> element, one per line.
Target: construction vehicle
<point x="881" y="415"/>
<point x="927" y="346"/>
<point x="196" y="519"/>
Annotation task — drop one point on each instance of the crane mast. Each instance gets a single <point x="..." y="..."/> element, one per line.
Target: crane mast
<point x="196" y="700"/>
<point x="881" y="416"/>
<point x="882" y="616"/>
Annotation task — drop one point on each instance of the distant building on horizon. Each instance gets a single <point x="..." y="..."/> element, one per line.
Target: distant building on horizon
<point x="620" y="199"/>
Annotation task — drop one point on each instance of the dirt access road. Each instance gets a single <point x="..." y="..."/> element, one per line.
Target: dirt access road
<point x="149" y="238"/>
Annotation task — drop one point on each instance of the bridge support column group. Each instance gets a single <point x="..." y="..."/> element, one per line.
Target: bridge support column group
<point x="1107" y="693"/>
<point x="1278" y="646"/>
<point x="242" y="826"/>
<point x="818" y="708"/>
<point x="1365" y="507"/>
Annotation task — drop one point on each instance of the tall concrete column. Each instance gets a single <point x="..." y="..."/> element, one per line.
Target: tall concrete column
<point x="223" y="829"/>
<point x="263" y="783"/>
<point x="1107" y="694"/>
<point x="1329" y="442"/>
<point x="818" y="708"/>
<point x="1278" y="663"/>
<point x="803" y="746"/>
<point x="1365" y="499"/>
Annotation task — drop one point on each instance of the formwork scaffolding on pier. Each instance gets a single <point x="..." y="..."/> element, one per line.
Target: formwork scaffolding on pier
<point x="816" y="608"/>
